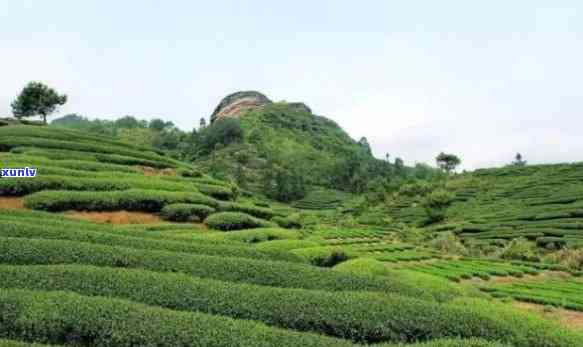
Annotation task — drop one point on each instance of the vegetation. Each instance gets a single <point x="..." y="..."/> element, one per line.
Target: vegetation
<point x="227" y="221"/>
<point x="373" y="251"/>
<point x="37" y="99"/>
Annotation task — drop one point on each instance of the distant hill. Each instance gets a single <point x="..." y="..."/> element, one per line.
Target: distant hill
<point x="290" y="137"/>
<point x="543" y="203"/>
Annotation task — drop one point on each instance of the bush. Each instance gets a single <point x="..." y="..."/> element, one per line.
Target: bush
<point x="286" y="245"/>
<point x="290" y="222"/>
<point x="186" y="212"/>
<point x="258" y="235"/>
<point x="366" y="317"/>
<point x="436" y="203"/>
<point x="450" y="343"/>
<point x="255" y="211"/>
<point x="362" y="317"/>
<point x="46" y="231"/>
<point x="67" y="318"/>
<point x="10" y="343"/>
<point x="325" y="256"/>
<point x="520" y="249"/>
<point x="227" y="221"/>
<point x="269" y="273"/>
<point x="449" y="243"/>
<point x="131" y="200"/>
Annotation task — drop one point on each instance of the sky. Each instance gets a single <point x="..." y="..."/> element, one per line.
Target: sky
<point x="483" y="80"/>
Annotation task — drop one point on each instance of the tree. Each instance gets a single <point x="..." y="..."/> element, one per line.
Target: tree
<point x="158" y="124"/>
<point x="363" y="142"/>
<point x="202" y="124"/>
<point x="518" y="160"/>
<point x="221" y="133"/>
<point x="35" y="99"/>
<point x="399" y="166"/>
<point x="436" y="203"/>
<point x="447" y="162"/>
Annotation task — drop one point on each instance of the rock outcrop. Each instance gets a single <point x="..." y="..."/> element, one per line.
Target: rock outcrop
<point x="235" y="104"/>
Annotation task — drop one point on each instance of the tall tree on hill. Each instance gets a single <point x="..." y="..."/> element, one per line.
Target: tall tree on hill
<point x="37" y="99"/>
<point x="363" y="142"/>
<point x="447" y="162"/>
<point x="518" y="161"/>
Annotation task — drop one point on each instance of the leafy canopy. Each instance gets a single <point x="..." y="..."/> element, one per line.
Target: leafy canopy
<point x="37" y="99"/>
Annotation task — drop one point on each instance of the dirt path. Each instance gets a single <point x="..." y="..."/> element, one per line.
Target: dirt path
<point x="116" y="217"/>
<point x="568" y="318"/>
<point x="11" y="202"/>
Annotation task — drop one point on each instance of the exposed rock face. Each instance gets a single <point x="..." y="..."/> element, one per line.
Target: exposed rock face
<point x="234" y="104"/>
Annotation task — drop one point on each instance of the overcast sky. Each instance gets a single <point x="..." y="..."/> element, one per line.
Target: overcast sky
<point x="483" y="79"/>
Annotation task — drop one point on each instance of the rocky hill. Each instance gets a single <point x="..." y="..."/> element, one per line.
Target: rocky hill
<point x="235" y="104"/>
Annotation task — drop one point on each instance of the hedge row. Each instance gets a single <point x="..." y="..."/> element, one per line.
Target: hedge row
<point x="12" y="343"/>
<point x="15" y="141"/>
<point x="78" y="165"/>
<point x="60" y="154"/>
<point x="227" y="221"/>
<point x="69" y="135"/>
<point x="67" y="318"/>
<point x="17" y="251"/>
<point x="361" y="317"/>
<point x="28" y="230"/>
<point x="255" y="211"/>
<point x="257" y="235"/>
<point x="186" y="212"/>
<point x="131" y="200"/>
<point x="450" y="343"/>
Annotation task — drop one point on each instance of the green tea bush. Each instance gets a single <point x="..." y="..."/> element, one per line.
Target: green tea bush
<point x="292" y="221"/>
<point x="23" y="186"/>
<point x="449" y="343"/>
<point x="228" y="221"/>
<point x="12" y="343"/>
<point x="258" y="235"/>
<point x="217" y="192"/>
<point x="67" y="318"/>
<point x="46" y="231"/>
<point x="286" y="245"/>
<point x="436" y="203"/>
<point x="432" y="287"/>
<point x="361" y="317"/>
<point x="131" y="200"/>
<point x="325" y="256"/>
<point x="520" y="249"/>
<point x="270" y="273"/>
<point x="255" y="211"/>
<point x="186" y="212"/>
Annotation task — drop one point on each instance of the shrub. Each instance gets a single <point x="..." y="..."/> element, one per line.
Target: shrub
<point x="217" y="192"/>
<point x="436" y="203"/>
<point x="227" y="221"/>
<point x="188" y="173"/>
<point x="432" y="287"/>
<point x="362" y="317"/>
<point x="447" y="242"/>
<point x="67" y="318"/>
<point x="520" y="249"/>
<point x="186" y="212"/>
<point x="286" y="245"/>
<point x="325" y="256"/>
<point x="270" y="273"/>
<point x="450" y="343"/>
<point x="10" y="343"/>
<point x="255" y="211"/>
<point x="30" y="230"/>
<point x="290" y="222"/>
<point x="258" y="235"/>
<point x="131" y="200"/>
<point x="571" y="258"/>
